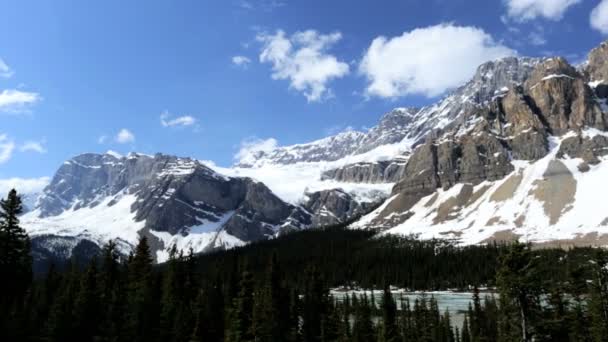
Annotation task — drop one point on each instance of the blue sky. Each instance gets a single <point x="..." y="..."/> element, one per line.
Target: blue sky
<point x="197" y="78"/>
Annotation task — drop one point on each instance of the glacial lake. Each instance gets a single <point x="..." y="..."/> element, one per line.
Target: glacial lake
<point x="456" y="303"/>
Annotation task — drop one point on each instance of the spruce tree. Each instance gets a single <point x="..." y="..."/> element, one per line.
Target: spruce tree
<point x="142" y="317"/>
<point x="87" y="306"/>
<point x="363" y="328"/>
<point x="598" y="301"/>
<point x="314" y="306"/>
<point x="170" y="302"/>
<point x="15" y="257"/>
<point x="519" y="288"/>
<point x="388" y="330"/>
<point x="241" y="316"/>
<point x="271" y="313"/>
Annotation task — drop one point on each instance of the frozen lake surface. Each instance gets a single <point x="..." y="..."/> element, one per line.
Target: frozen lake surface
<point x="456" y="303"/>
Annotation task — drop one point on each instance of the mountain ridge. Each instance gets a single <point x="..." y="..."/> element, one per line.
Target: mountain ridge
<point x="496" y="142"/>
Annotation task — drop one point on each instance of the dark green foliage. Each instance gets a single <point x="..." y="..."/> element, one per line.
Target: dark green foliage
<point x="363" y="328"/>
<point x="279" y="291"/>
<point x="15" y="268"/>
<point x="241" y="315"/>
<point x="15" y="258"/>
<point x="388" y="330"/>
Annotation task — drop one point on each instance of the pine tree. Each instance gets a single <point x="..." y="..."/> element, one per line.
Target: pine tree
<point x="15" y="257"/>
<point x="271" y="313"/>
<point x="142" y="307"/>
<point x="314" y="306"/>
<point x="363" y="328"/>
<point x="519" y="289"/>
<point x="598" y="301"/>
<point x="61" y="316"/>
<point x="388" y="330"/>
<point x="241" y="316"/>
<point x="331" y="325"/>
<point x="87" y="306"/>
<point x="170" y="302"/>
<point x="112" y="293"/>
<point x="209" y="315"/>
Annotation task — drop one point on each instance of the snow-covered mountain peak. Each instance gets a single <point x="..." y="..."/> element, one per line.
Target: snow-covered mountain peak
<point x="405" y="127"/>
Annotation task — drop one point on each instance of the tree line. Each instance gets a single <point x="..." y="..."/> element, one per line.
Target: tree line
<point x="280" y="291"/>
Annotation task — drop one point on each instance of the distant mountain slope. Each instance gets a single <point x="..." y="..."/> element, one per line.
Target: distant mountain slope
<point x="102" y="197"/>
<point x="172" y="201"/>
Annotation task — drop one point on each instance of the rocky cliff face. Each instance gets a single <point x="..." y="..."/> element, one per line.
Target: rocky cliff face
<point x="375" y="172"/>
<point x="408" y="127"/>
<point x="405" y="128"/>
<point x="164" y="196"/>
<point x="173" y="201"/>
<point x="331" y="207"/>
<point x="554" y="118"/>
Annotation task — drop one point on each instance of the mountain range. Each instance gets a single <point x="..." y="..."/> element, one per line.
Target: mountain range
<point x="518" y="152"/>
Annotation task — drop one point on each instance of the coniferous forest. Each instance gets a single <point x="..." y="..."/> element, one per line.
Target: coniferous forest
<point x="279" y="290"/>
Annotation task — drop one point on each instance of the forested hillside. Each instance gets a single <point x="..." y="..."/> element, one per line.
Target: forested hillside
<point x="279" y="290"/>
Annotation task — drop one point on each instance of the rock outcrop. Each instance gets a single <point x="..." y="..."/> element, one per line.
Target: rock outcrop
<point x="407" y="127"/>
<point x="330" y="207"/>
<point x="167" y="195"/>
<point x="553" y="100"/>
<point x="376" y="172"/>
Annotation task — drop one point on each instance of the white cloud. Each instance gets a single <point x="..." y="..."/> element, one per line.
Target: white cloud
<point x="303" y="60"/>
<point x="7" y="146"/>
<point x="166" y="121"/>
<point x="124" y="136"/>
<point x="16" y="101"/>
<point x="599" y="17"/>
<point x="5" y="70"/>
<point x="102" y="139"/>
<point x="23" y="185"/>
<point x="33" y="146"/>
<point x="525" y="10"/>
<point x="427" y="61"/>
<point x="241" y="61"/>
<point x="537" y="38"/>
<point x="251" y="148"/>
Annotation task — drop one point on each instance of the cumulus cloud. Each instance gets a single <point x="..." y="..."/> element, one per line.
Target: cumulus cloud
<point x="7" y="146"/>
<point x="427" y="61"/>
<point x="33" y="146"/>
<point x="252" y="148"/>
<point x="23" y="185"/>
<point x="599" y="17"/>
<point x="124" y="136"/>
<point x="241" y="61"/>
<point x="525" y="10"/>
<point x="17" y="101"/>
<point x="303" y="59"/>
<point x="5" y="70"/>
<point x="167" y="121"/>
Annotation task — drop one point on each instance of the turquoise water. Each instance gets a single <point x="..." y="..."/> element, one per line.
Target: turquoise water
<point x="456" y="303"/>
